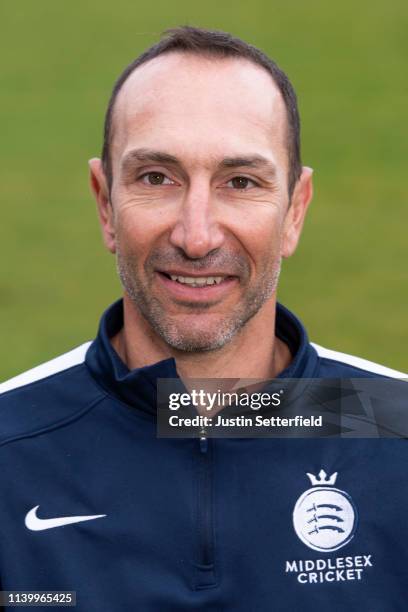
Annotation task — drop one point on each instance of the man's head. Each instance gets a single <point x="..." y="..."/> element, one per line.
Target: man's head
<point x="200" y="163"/>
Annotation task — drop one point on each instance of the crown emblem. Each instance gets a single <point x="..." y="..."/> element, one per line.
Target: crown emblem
<point x="322" y="479"/>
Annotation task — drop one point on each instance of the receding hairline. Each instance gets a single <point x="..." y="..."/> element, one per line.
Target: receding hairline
<point x="205" y="54"/>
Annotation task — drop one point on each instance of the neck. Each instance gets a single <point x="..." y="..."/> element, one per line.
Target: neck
<point x="255" y="352"/>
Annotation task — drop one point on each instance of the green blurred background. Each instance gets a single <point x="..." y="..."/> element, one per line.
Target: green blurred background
<point x="348" y="62"/>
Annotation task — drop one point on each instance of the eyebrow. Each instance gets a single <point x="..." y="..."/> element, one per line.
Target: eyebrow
<point x="160" y="157"/>
<point x="252" y="161"/>
<point x="148" y="155"/>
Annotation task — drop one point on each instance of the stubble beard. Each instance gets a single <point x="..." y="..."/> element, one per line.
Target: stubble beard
<point x="185" y="336"/>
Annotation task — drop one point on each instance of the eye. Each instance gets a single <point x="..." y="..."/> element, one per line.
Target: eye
<point x="155" y="178"/>
<point x="242" y="183"/>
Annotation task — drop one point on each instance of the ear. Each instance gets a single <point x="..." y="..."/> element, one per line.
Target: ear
<point x="100" y="190"/>
<point x="295" y="216"/>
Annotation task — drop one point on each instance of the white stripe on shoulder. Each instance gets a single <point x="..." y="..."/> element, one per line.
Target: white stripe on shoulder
<point x="357" y="362"/>
<point x="63" y="362"/>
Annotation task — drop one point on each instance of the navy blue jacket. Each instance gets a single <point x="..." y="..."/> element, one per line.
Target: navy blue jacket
<point x="237" y="525"/>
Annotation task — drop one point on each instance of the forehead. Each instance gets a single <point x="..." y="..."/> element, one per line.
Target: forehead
<point x="200" y="108"/>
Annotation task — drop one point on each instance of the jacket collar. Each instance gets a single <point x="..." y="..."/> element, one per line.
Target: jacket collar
<point x="138" y="387"/>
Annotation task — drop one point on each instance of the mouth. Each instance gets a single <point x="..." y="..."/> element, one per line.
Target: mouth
<point x="192" y="287"/>
<point x="196" y="281"/>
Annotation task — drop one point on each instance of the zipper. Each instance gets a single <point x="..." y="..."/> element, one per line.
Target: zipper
<point x="205" y="566"/>
<point x="203" y="444"/>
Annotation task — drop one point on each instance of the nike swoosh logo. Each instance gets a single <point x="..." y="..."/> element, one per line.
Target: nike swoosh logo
<point x="34" y="523"/>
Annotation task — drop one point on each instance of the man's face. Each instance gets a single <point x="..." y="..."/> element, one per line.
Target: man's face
<point x="199" y="199"/>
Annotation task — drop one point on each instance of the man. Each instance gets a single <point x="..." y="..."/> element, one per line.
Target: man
<point x="200" y="195"/>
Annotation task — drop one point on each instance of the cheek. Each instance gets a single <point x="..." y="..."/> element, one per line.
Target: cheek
<point x="132" y="245"/>
<point x="138" y="228"/>
<point x="260" y="235"/>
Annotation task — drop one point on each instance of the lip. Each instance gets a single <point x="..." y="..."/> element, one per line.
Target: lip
<point x="197" y="294"/>
<point x="194" y="274"/>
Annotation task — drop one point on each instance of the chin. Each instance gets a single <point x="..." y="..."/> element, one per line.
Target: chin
<point x="206" y="338"/>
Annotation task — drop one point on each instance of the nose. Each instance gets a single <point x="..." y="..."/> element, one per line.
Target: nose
<point x="196" y="229"/>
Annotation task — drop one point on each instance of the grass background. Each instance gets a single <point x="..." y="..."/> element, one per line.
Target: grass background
<point x="348" y="62"/>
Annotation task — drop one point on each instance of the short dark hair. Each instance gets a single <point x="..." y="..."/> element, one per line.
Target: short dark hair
<point x="188" y="39"/>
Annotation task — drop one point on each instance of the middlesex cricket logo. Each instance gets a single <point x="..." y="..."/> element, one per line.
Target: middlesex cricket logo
<point x="325" y="518"/>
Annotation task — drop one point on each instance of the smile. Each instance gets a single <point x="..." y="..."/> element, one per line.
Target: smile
<point x="199" y="288"/>
<point x="197" y="281"/>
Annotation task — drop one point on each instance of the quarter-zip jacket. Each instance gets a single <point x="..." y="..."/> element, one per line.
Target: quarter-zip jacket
<point x="237" y="525"/>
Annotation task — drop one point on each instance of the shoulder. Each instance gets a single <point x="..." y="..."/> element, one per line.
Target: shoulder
<point x="47" y="369"/>
<point x="338" y="364"/>
<point x="47" y="396"/>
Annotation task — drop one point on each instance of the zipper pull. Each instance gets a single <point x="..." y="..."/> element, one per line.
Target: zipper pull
<point x="203" y="441"/>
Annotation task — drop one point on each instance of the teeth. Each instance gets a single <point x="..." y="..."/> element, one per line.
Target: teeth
<point x="197" y="281"/>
